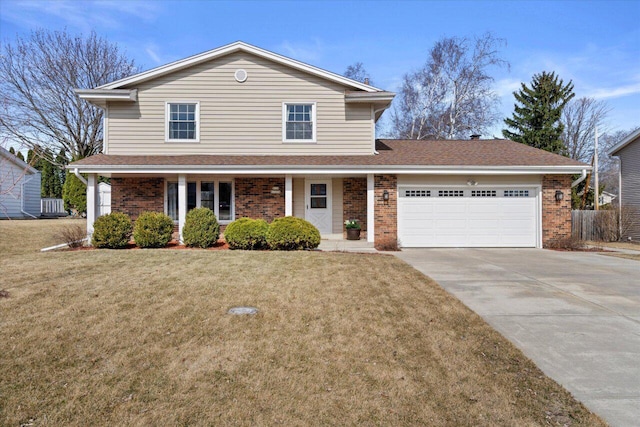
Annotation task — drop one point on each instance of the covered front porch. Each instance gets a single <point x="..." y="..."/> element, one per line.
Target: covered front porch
<point x="324" y="200"/>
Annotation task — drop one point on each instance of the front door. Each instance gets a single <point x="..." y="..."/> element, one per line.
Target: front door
<point x="318" y="204"/>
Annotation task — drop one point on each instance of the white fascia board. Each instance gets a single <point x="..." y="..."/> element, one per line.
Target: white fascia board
<point x="231" y="48"/>
<point x="328" y="170"/>
<point x="624" y="142"/>
<point x="107" y="95"/>
<point x="368" y="98"/>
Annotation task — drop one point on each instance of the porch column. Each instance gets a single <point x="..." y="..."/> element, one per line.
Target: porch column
<point x="92" y="193"/>
<point x="371" y="215"/>
<point x="288" y="195"/>
<point x="182" y="202"/>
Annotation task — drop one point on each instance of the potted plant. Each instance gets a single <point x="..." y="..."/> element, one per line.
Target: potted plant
<point x="353" y="229"/>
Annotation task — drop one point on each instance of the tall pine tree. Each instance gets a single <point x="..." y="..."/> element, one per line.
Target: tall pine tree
<point x="536" y="119"/>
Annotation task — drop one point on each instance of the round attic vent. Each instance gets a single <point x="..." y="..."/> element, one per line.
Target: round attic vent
<point x="241" y="75"/>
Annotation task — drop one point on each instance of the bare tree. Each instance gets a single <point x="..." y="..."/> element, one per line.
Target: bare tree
<point x="580" y="118"/>
<point x="451" y="96"/>
<point x="608" y="166"/>
<point x="358" y="73"/>
<point x="38" y="105"/>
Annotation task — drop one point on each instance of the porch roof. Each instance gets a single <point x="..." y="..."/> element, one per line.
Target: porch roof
<point x="392" y="154"/>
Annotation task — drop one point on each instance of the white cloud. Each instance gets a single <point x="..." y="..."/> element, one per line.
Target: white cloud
<point x="84" y="16"/>
<point x="152" y="51"/>
<point x="305" y="52"/>
<point x="506" y="87"/>
<point x="615" y="92"/>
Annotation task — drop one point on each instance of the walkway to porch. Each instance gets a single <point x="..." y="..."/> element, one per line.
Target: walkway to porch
<point x="336" y="243"/>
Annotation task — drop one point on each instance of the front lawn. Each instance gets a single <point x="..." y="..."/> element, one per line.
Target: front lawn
<point x="143" y="337"/>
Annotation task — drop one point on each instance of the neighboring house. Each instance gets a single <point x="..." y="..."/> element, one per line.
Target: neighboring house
<point x="19" y="188"/>
<point x="606" y="198"/>
<point x="628" y="151"/>
<point x="250" y="133"/>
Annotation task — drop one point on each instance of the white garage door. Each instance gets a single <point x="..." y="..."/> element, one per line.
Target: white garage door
<point x="467" y="217"/>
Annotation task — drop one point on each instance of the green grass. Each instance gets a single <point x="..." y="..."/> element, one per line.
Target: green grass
<point x="142" y="337"/>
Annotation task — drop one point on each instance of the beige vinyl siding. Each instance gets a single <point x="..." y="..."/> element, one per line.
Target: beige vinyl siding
<point x="336" y="205"/>
<point x="298" y="197"/>
<point x="239" y="118"/>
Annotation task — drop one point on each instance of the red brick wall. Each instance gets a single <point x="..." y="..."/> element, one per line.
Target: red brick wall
<point x="386" y="213"/>
<point x="354" y="200"/>
<point x="556" y="216"/>
<point x="136" y="195"/>
<point x="254" y="198"/>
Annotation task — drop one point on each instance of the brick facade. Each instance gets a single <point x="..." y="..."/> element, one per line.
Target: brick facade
<point x="386" y="213"/>
<point x="354" y="201"/>
<point x="136" y="195"/>
<point x="254" y="199"/>
<point x="556" y="216"/>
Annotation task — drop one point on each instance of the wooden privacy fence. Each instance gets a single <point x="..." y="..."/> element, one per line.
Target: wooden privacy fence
<point x="595" y="225"/>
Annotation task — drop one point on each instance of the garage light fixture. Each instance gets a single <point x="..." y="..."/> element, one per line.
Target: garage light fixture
<point x="559" y="196"/>
<point x="385" y="196"/>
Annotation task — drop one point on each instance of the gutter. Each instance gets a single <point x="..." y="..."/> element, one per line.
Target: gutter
<point x="579" y="180"/>
<point x="22" y="198"/>
<point x="80" y="177"/>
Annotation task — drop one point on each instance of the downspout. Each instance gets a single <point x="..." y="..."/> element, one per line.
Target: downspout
<point x="22" y="198"/>
<point x="577" y="181"/>
<point x="374" y="128"/>
<point x="80" y="177"/>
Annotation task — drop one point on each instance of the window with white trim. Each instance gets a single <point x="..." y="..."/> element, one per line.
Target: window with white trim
<point x="299" y="122"/>
<point x="216" y="195"/>
<point x="183" y="122"/>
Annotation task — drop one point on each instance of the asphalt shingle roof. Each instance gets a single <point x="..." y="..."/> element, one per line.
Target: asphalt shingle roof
<point x="392" y="152"/>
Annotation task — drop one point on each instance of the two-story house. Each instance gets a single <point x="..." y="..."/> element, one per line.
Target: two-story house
<point x="628" y="151"/>
<point x="250" y="133"/>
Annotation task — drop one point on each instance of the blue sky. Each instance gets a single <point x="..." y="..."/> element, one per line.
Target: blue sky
<point x="594" y="43"/>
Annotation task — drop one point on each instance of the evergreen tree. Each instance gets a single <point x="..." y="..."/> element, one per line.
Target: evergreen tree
<point x="74" y="194"/>
<point x="20" y="156"/>
<point x="536" y="119"/>
<point x="12" y="151"/>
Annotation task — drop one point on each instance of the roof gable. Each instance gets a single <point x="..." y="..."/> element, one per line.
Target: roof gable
<point x="16" y="161"/>
<point x="232" y="48"/>
<point x="633" y="136"/>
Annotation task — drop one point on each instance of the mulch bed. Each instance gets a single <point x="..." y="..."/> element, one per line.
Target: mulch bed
<point x="220" y="245"/>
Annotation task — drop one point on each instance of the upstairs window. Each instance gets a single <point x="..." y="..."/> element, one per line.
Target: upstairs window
<point x="183" y="122"/>
<point x="299" y="122"/>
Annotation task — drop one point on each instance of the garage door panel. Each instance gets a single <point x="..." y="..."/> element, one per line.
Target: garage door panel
<point x="488" y="219"/>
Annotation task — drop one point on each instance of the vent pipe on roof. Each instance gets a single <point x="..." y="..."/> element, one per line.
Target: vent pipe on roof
<point x="475" y="136"/>
<point x="366" y="80"/>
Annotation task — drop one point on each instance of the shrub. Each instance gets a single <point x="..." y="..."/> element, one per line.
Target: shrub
<point x="201" y="228"/>
<point x="567" y="244"/>
<point x="247" y="233"/>
<point x="111" y="231"/>
<point x="74" y="193"/>
<point x="387" y="244"/>
<point x="291" y="233"/>
<point x="152" y="230"/>
<point x="73" y="235"/>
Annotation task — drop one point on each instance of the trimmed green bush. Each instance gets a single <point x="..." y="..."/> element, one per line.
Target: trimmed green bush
<point x="247" y="233"/>
<point x="291" y="233"/>
<point x="152" y="230"/>
<point x="111" y="231"/>
<point x="201" y="228"/>
<point x="74" y="193"/>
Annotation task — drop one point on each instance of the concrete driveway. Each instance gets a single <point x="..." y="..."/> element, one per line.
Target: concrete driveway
<point x="575" y="314"/>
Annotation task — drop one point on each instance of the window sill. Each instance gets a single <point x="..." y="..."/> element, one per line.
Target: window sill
<point x="182" y="141"/>
<point x="300" y="141"/>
